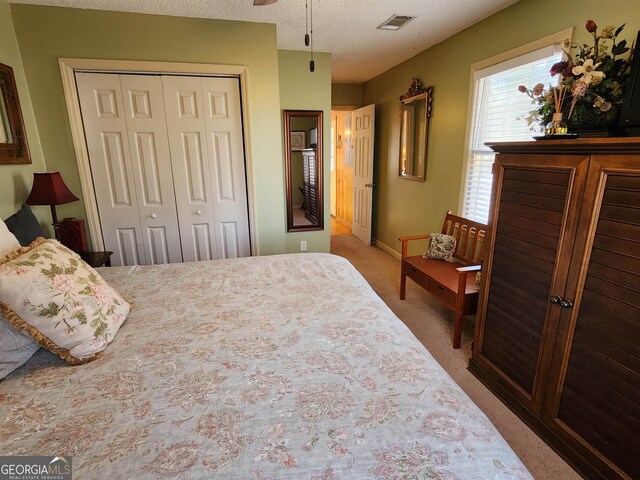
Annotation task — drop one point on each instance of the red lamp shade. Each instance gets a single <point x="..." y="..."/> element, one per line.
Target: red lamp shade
<point x="49" y="189"/>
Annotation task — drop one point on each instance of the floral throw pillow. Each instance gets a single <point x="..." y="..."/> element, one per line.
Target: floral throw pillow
<point x="47" y="291"/>
<point x="441" y="247"/>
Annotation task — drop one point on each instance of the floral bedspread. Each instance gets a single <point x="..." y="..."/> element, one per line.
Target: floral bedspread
<point x="282" y="367"/>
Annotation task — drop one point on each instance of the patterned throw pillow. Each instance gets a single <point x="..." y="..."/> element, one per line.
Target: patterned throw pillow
<point x="49" y="292"/>
<point x="441" y="247"/>
<point x="476" y="283"/>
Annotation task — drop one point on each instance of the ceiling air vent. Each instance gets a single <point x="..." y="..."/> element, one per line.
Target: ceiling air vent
<point x="395" y="22"/>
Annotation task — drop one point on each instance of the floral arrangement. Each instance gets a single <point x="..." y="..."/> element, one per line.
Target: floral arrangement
<point x="593" y="77"/>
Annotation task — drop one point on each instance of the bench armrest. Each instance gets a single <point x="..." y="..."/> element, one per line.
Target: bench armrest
<point x="405" y="241"/>
<point x="470" y="268"/>
<point x="413" y="237"/>
<point x="462" y="279"/>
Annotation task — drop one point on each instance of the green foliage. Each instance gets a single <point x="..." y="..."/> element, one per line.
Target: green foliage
<point x="53" y="271"/>
<point x="49" y="311"/>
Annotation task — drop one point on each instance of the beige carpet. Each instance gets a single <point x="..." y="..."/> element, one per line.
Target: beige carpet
<point x="432" y="324"/>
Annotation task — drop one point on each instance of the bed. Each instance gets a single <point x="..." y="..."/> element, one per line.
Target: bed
<point x="280" y="367"/>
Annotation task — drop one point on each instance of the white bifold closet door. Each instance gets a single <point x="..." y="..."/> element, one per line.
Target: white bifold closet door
<point x="167" y="161"/>
<point x="207" y="154"/>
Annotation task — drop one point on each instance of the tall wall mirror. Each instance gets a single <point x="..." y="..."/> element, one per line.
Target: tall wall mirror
<point x="303" y="166"/>
<point x="13" y="140"/>
<point x="415" y="111"/>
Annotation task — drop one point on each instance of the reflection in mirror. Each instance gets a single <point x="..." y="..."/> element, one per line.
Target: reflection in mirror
<point x="415" y="110"/>
<point x="13" y="142"/>
<point x="5" y="129"/>
<point x="303" y="166"/>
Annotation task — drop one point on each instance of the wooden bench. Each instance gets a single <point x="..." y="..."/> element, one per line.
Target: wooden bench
<point x="447" y="281"/>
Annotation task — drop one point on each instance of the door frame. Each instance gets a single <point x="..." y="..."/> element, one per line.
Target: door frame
<point x="68" y="68"/>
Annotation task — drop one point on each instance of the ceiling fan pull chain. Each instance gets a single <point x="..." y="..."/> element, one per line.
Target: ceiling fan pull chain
<point x="312" y="64"/>
<point x="306" y="20"/>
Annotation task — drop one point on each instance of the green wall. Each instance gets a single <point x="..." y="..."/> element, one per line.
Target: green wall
<point x="304" y="90"/>
<point x="346" y="94"/>
<point x="16" y="180"/>
<point x="47" y="33"/>
<point x="403" y="207"/>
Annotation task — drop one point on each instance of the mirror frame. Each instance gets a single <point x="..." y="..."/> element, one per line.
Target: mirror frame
<point x="17" y="151"/>
<point x="416" y="91"/>
<point x="318" y="114"/>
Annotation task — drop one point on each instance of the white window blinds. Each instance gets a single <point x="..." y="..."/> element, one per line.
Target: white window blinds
<point x="496" y="108"/>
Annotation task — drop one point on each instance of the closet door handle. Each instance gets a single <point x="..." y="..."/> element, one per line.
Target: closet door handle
<point x="198" y="212"/>
<point x="153" y="215"/>
<point x="555" y="300"/>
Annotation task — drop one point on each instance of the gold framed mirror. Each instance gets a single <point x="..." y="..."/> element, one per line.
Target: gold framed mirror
<point x="415" y="111"/>
<point x="13" y="140"/>
<point x="303" y="166"/>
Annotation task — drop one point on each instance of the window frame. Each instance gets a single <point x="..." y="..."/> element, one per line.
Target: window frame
<point x="556" y="38"/>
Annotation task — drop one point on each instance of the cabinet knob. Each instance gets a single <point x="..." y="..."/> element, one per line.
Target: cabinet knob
<point x="566" y="304"/>
<point x="561" y="301"/>
<point x="153" y="215"/>
<point x="198" y="212"/>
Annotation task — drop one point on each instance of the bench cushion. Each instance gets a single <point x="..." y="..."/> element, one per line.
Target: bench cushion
<point x="444" y="273"/>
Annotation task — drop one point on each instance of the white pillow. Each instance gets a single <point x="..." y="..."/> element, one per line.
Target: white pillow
<point x="8" y="241"/>
<point x="15" y="348"/>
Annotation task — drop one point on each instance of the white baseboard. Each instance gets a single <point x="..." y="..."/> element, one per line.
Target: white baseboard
<point x="387" y="249"/>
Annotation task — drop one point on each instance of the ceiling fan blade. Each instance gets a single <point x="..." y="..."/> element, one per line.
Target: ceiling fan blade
<point x="259" y="3"/>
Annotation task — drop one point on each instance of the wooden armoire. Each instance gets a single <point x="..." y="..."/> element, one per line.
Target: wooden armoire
<point x="558" y="328"/>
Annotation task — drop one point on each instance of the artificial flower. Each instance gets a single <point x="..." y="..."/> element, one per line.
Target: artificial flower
<point x="538" y="89"/>
<point x="579" y="89"/>
<point x="593" y="78"/>
<point x="558" y="68"/>
<point x="602" y="104"/>
<point x="588" y="71"/>
<point x="608" y="31"/>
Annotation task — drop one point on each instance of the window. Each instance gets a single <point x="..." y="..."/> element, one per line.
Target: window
<point x="497" y="107"/>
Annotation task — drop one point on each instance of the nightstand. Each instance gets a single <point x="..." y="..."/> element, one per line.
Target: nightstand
<point x="97" y="259"/>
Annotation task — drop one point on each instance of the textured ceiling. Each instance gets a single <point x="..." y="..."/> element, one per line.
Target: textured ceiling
<point x="346" y="28"/>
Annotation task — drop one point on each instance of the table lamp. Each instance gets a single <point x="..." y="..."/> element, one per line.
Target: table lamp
<point x="49" y="189"/>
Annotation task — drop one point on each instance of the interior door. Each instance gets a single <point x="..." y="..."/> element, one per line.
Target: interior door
<point x="363" y="138"/>
<point x="149" y="146"/>
<point x="333" y="167"/>
<point x="205" y="138"/>
<point x="130" y="167"/>
<point x="187" y="141"/>
<point x="223" y="127"/>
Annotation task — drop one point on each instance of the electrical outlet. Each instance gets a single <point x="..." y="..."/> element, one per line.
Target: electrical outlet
<point x="303" y="245"/>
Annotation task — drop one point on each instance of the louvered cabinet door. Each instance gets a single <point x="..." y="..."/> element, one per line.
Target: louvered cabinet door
<point x="310" y="173"/>
<point x="530" y="239"/>
<point x="594" y="396"/>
